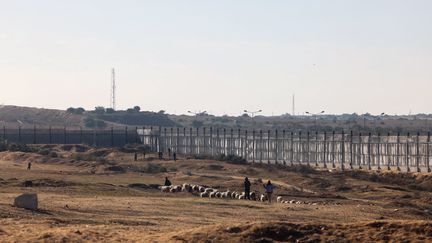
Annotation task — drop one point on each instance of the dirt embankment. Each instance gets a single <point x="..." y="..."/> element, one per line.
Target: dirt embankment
<point x="375" y="231"/>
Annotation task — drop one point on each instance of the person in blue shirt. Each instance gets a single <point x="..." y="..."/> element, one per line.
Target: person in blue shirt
<point x="269" y="190"/>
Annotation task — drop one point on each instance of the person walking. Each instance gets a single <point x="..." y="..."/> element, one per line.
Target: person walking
<point x="167" y="182"/>
<point x="269" y="190"/>
<point x="247" y="186"/>
<point x="29" y="166"/>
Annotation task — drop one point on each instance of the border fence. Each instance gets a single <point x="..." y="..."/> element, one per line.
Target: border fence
<point x="403" y="152"/>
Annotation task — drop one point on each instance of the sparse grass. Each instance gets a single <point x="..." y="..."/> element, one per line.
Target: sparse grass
<point x="108" y="206"/>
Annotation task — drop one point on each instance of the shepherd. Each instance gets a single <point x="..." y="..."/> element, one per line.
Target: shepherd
<point x="269" y="190"/>
<point x="247" y="186"/>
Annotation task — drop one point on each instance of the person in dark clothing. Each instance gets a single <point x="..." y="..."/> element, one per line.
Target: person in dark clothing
<point x="247" y="186"/>
<point x="29" y="166"/>
<point x="167" y="182"/>
<point x="160" y="155"/>
<point x="169" y="152"/>
<point x="175" y="156"/>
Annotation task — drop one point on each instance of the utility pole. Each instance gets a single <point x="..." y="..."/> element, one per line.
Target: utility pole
<point x="293" y="105"/>
<point x="113" y="90"/>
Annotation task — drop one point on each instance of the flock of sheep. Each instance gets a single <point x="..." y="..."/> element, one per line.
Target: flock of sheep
<point x="207" y="192"/>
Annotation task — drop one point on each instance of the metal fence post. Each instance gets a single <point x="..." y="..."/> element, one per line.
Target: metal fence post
<point x="316" y="148"/>
<point x="191" y="150"/>
<point x="325" y="150"/>
<point x="225" y="142"/>
<point x="151" y="139"/>
<point x="387" y="151"/>
<point x="343" y="151"/>
<point x="81" y="135"/>
<point x="333" y="153"/>
<point x="268" y="146"/>
<point x="231" y="142"/>
<point x="292" y="149"/>
<point x="428" y="152"/>
<point x="239" y="148"/>
<point x="308" y="148"/>
<point x="253" y="146"/>
<point x="398" y="151"/>
<point x="283" y="147"/>
<point x="360" y="152"/>
<point x="276" y="146"/>
<point x="261" y="146"/>
<point x="300" y="149"/>
<point x="351" y="150"/>
<point x="217" y="141"/>
<point x="408" y="153"/>
<point x="178" y="140"/>
<point x="379" y="151"/>
<point x="171" y="142"/>
<point x="185" y="141"/>
<point x="204" y="141"/>
<point x="211" y="141"/>
<point x="165" y="140"/>
<point x="245" y="146"/>
<point x="19" y="134"/>
<point x="197" y="142"/>
<point x="369" y="151"/>
<point x="418" y="152"/>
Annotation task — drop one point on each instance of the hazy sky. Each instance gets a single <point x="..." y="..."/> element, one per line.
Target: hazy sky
<point x="222" y="56"/>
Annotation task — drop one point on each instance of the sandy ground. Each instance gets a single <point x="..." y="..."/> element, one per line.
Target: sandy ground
<point x="87" y="201"/>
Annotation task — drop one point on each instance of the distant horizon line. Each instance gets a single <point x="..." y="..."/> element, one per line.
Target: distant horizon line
<point x="230" y="115"/>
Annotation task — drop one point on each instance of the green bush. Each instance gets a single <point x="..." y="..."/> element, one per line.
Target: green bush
<point x="44" y="151"/>
<point x="53" y="154"/>
<point x="154" y="168"/>
<point x="231" y="158"/>
<point x="13" y="147"/>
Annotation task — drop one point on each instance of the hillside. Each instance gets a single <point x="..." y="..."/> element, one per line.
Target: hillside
<point x="87" y="195"/>
<point x="14" y="116"/>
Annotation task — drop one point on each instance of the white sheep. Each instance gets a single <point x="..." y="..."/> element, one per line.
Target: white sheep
<point x="195" y="188"/>
<point x="177" y="188"/>
<point x="165" y="188"/>
<point x="208" y="190"/>
<point x="279" y="199"/>
<point x="242" y="197"/>
<point x="204" y="194"/>
<point x="263" y="198"/>
<point x="186" y="188"/>
<point x="173" y="190"/>
<point x="218" y="194"/>
<point x="212" y="194"/>
<point x="201" y="188"/>
<point x="228" y="193"/>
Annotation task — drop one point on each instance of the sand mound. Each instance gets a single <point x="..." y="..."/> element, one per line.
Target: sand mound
<point x="287" y="232"/>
